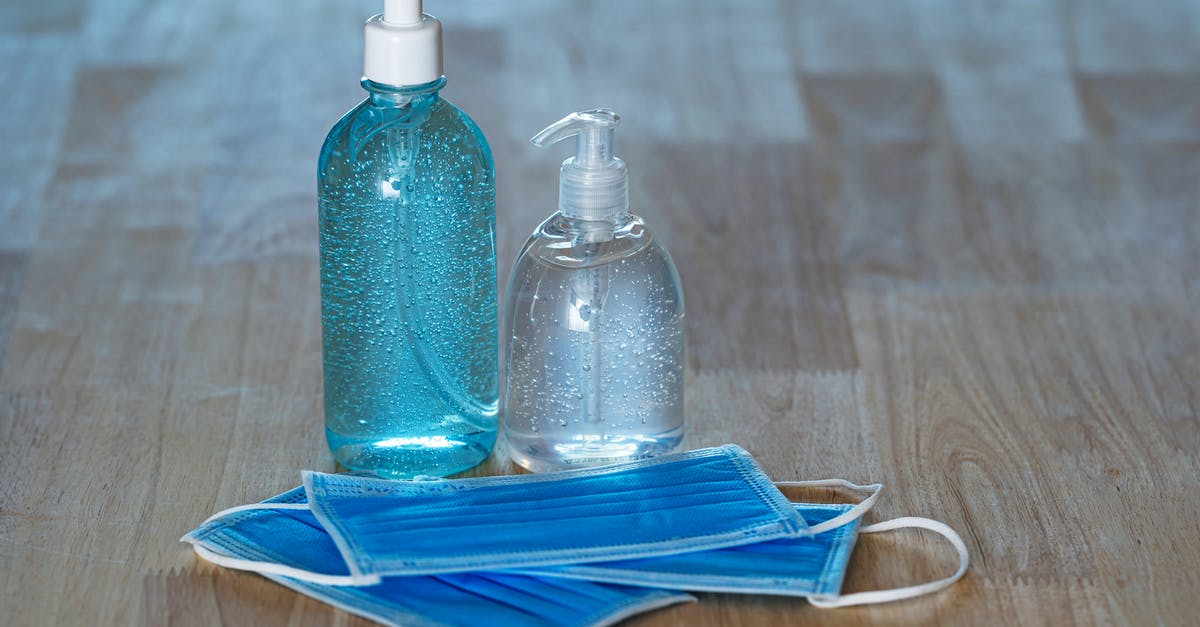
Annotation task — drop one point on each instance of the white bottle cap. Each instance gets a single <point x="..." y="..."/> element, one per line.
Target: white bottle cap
<point x="403" y="45"/>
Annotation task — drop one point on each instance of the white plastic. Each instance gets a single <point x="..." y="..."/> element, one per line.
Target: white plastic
<point x="592" y="185"/>
<point x="906" y="592"/>
<point x="403" y="46"/>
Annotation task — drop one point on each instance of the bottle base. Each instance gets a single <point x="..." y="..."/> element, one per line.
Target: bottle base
<point x="539" y="454"/>
<point x="408" y="457"/>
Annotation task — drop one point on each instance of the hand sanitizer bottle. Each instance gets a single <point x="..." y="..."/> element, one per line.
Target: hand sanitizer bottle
<point x="595" y="354"/>
<point x="408" y="268"/>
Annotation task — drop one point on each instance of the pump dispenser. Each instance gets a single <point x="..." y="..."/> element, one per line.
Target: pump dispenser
<point x="594" y="315"/>
<point x="592" y="185"/>
<point x="407" y="210"/>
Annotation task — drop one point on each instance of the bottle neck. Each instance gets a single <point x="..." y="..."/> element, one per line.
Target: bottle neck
<point x="382" y="95"/>
<point x="593" y="192"/>
<point x="592" y="229"/>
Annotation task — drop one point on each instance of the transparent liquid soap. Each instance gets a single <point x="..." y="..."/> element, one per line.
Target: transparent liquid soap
<point x="408" y="285"/>
<point x="595" y="320"/>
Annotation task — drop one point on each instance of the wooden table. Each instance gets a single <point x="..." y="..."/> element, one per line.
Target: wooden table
<point x="949" y="246"/>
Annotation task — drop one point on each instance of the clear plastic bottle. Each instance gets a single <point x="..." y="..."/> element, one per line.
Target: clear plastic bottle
<point x="408" y="270"/>
<point x="594" y="314"/>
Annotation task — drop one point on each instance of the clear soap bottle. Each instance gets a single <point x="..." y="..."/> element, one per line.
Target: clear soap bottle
<point x="594" y="314"/>
<point x="408" y="270"/>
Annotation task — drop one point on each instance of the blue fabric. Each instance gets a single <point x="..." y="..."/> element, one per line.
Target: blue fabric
<point x="814" y="565"/>
<point x="694" y="501"/>
<point x="295" y="538"/>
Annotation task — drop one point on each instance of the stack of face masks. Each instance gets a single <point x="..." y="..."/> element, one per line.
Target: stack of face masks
<point x="581" y="547"/>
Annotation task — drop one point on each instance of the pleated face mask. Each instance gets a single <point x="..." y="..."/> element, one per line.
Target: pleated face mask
<point x="694" y="501"/>
<point x="812" y="567"/>
<point x="288" y="544"/>
<point x="286" y="540"/>
<point x="643" y="536"/>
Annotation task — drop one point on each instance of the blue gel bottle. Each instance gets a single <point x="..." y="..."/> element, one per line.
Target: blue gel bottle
<point x="408" y="267"/>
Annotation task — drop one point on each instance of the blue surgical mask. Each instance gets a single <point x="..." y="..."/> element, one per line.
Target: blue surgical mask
<point x="286" y="538"/>
<point x="694" y="501"/>
<point x="809" y="563"/>
<point x="812" y="567"/>
<point x="792" y="566"/>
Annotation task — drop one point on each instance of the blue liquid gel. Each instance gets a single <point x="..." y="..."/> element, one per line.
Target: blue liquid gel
<point x="408" y="286"/>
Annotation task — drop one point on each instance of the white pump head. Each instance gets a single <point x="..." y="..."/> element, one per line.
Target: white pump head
<point x="592" y="185"/>
<point x="403" y="45"/>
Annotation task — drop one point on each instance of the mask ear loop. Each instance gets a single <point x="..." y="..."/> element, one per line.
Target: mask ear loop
<point x="271" y="568"/>
<point x="853" y="513"/>
<point x="251" y="507"/>
<point x="907" y="592"/>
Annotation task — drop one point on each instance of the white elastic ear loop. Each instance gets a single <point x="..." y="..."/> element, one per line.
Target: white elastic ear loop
<point x="272" y="568"/>
<point x="907" y="592"/>
<point x="851" y="514"/>
<point x="250" y="507"/>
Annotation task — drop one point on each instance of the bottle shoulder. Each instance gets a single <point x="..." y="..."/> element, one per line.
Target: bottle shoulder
<point x="633" y="268"/>
<point x="435" y="127"/>
<point x="563" y="244"/>
<point x="458" y="118"/>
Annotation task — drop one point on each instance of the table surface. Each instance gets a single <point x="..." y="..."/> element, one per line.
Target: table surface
<point x="951" y="246"/>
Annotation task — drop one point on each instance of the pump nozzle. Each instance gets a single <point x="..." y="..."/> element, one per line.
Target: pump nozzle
<point x="402" y="12"/>
<point x="593" y="185"/>
<point x="593" y="131"/>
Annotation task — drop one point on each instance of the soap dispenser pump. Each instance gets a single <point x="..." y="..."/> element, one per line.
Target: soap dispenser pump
<point x="594" y="313"/>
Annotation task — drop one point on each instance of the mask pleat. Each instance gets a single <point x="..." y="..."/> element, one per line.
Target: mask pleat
<point x="792" y="566"/>
<point x="437" y="515"/>
<point x="700" y="500"/>
<point x="278" y="534"/>
<point x="537" y="600"/>
<point x="284" y="537"/>
<point x="532" y="610"/>
<point x="564" y="588"/>
<point x="295" y="495"/>
<point x="513" y="536"/>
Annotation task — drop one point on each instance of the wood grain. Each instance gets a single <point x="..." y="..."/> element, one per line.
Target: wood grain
<point x="950" y="246"/>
